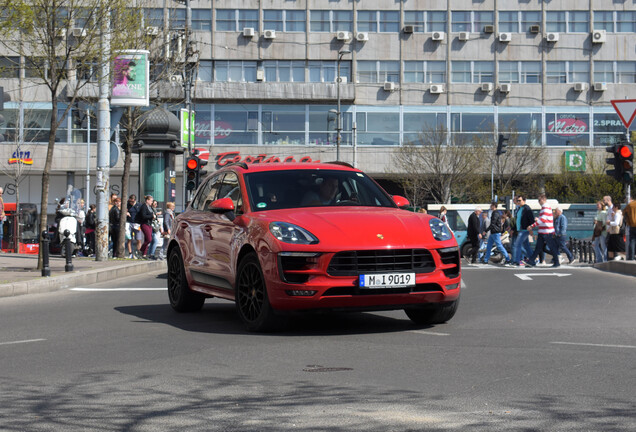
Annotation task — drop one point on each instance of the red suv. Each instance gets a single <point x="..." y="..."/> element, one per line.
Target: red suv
<point x="277" y="238"/>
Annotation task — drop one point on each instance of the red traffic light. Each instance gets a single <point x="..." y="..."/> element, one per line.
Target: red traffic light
<point x="192" y="163"/>
<point x="626" y="151"/>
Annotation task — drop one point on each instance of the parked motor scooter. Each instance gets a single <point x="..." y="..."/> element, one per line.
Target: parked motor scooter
<point x="67" y="222"/>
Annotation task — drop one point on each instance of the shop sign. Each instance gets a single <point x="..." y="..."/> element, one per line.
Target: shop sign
<point x="567" y="127"/>
<point x="225" y="158"/>
<point x="575" y="160"/>
<point x="21" y="157"/>
<point x="222" y="130"/>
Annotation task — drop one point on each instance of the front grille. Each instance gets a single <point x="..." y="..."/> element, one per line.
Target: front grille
<point x="354" y="263"/>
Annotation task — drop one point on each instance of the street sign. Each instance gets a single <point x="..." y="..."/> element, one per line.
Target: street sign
<point x="575" y="161"/>
<point x="187" y="128"/>
<point x="626" y="110"/>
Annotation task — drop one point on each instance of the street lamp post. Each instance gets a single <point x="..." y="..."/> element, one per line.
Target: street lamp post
<point x="338" y="113"/>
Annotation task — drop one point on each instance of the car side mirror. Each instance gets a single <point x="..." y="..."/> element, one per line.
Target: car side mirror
<point x="223" y="205"/>
<point x="400" y="201"/>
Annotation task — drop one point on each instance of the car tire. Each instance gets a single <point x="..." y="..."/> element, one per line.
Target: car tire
<point x="496" y="257"/>
<point x="434" y="313"/>
<point x="252" y="301"/>
<point x="466" y="247"/>
<point x="182" y="299"/>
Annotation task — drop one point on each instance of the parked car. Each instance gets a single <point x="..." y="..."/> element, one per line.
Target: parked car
<point x="279" y="238"/>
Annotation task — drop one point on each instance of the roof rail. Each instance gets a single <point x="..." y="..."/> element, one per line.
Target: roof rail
<point x="340" y="163"/>
<point x="239" y="164"/>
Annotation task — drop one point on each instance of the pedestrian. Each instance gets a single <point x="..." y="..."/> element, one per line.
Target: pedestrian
<point x="80" y="215"/>
<point x="145" y="216"/>
<point x="3" y="217"/>
<point x="442" y="214"/>
<point x="134" y="233"/>
<point x="545" y="227"/>
<point x="523" y="219"/>
<point x="111" y="201"/>
<point x="599" y="236"/>
<point x="168" y="219"/>
<point x="156" y="230"/>
<point x="484" y="223"/>
<point x="114" y="216"/>
<point x="495" y="228"/>
<point x="474" y="234"/>
<point x="629" y="214"/>
<point x="560" y="233"/>
<point x="615" y="242"/>
<point x="91" y="224"/>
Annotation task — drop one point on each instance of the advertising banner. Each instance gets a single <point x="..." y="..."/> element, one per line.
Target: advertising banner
<point x="131" y="71"/>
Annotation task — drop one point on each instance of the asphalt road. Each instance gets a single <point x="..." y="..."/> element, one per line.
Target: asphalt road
<point x="531" y="353"/>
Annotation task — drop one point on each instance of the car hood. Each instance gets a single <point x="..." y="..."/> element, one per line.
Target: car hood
<point x="361" y="227"/>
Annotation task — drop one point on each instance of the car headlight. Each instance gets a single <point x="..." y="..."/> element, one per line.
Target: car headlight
<point x="290" y="233"/>
<point x="440" y="230"/>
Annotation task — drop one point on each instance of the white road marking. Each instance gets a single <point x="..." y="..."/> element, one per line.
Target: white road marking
<point x="117" y="289"/>
<point x="529" y="276"/>
<point x="594" y="345"/>
<point x="22" y="341"/>
<point x="429" y="333"/>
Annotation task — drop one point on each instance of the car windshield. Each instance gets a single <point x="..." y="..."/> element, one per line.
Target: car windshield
<point x="313" y="188"/>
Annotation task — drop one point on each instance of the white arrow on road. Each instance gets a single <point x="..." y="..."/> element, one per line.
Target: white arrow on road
<point x="529" y="276"/>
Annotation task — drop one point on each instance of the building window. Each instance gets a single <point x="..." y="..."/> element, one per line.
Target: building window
<point x="560" y="72"/>
<point x="414" y="124"/>
<point x="508" y="72"/>
<point x="470" y="21"/>
<point x="518" y="21"/>
<point x="9" y="67"/>
<point x="236" y="19"/>
<point x="325" y="71"/>
<point x="235" y="71"/>
<point x="626" y="72"/>
<point x="469" y="127"/>
<point x="284" y="71"/>
<point x="520" y="72"/>
<point x="202" y="19"/>
<point x="567" y="21"/>
<point x="283" y="124"/>
<point x="527" y="126"/>
<point x="322" y="125"/>
<point x="578" y="71"/>
<point x="177" y="18"/>
<point x="153" y="17"/>
<point x="378" y="71"/>
<point x="555" y="72"/>
<point x="232" y="124"/>
<point x="626" y="21"/>
<point x="284" y="20"/>
<point x="472" y="71"/>
<point x="608" y="129"/>
<point x="330" y="21"/>
<point x="378" y="21"/>
<point x="531" y="72"/>
<point x="87" y="70"/>
<point x="205" y="70"/>
<point x="431" y="72"/>
<point x="604" y="20"/>
<point x="378" y="128"/>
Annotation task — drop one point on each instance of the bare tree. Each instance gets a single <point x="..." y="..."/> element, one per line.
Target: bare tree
<point x="53" y="36"/>
<point x="437" y="164"/>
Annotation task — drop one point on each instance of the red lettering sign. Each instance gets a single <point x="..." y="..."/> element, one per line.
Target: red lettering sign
<point x="225" y="158"/>
<point x="567" y="127"/>
<point x="203" y="129"/>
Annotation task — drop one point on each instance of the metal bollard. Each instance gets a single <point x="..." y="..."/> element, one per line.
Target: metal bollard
<point x="69" y="251"/>
<point x="573" y="247"/>
<point x="586" y="251"/>
<point x="46" y="270"/>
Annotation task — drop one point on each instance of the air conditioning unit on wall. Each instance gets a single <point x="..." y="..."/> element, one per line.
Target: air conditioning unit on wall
<point x="486" y="87"/>
<point x="505" y="88"/>
<point x="580" y="86"/>
<point x="552" y="37"/>
<point x="505" y="37"/>
<point x="489" y="28"/>
<point x="535" y="28"/>
<point x="409" y="29"/>
<point x="437" y="88"/>
<point x="438" y="36"/>
<point x="343" y="35"/>
<point x="248" y="32"/>
<point x="389" y="86"/>
<point x="464" y="36"/>
<point x="269" y="34"/>
<point x="600" y="86"/>
<point x="599" y="36"/>
<point x="362" y="36"/>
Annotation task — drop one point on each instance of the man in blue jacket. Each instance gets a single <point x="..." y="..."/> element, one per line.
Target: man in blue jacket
<point x="560" y="233"/>
<point x="523" y="219"/>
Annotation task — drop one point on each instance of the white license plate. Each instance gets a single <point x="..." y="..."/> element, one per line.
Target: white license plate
<point x="387" y="280"/>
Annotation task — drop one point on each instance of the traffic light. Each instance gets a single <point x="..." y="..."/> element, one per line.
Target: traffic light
<point x="501" y="145"/>
<point x="617" y="171"/>
<point x="626" y="157"/>
<point x="192" y="168"/>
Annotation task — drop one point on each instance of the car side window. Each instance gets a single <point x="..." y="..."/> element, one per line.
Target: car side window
<point x="231" y="188"/>
<point x="207" y="193"/>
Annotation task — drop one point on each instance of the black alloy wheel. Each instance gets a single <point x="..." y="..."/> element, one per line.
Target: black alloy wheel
<point x="252" y="302"/>
<point x="182" y="299"/>
<point x="433" y="313"/>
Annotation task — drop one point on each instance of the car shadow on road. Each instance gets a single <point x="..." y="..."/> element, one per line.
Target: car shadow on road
<point x="222" y="318"/>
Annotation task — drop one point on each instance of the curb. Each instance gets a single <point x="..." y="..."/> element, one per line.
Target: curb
<point x="87" y="277"/>
<point x="623" y="267"/>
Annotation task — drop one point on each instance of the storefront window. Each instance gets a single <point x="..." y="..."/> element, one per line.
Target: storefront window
<point x="608" y="129"/>
<point x="526" y="126"/>
<point x="322" y="125"/>
<point x="416" y="125"/>
<point x="231" y="125"/>
<point x="284" y="124"/>
<point x="378" y="128"/>
<point x="571" y="129"/>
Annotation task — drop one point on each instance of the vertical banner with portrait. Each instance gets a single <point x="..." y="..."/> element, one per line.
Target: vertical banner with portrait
<point x="130" y="79"/>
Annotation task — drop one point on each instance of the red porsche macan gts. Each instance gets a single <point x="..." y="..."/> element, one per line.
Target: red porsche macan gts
<point x="278" y="238"/>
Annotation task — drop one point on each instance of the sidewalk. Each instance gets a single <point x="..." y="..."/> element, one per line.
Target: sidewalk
<point x="19" y="274"/>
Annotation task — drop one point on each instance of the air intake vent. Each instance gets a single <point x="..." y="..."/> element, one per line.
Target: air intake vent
<point x="354" y="263"/>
